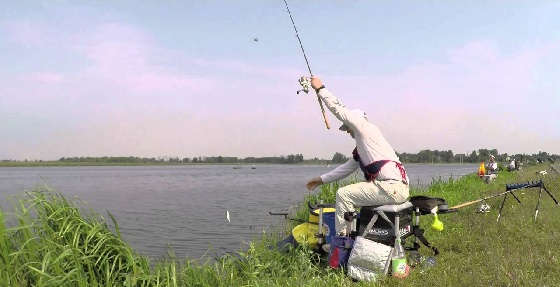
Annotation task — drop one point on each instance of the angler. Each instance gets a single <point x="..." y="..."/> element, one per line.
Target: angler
<point x="385" y="189"/>
<point x="386" y="179"/>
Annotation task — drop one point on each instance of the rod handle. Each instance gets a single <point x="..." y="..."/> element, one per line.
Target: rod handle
<point x="466" y="204"/>
<point x="323" y="112"/>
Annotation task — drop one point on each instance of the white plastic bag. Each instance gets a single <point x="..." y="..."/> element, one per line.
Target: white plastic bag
<point x="368" y="259"/>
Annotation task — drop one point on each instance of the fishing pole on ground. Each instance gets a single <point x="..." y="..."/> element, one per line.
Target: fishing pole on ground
<point x="465" y="204"/>
<point x="510" y="188"/>
<point x="306" y="88"/>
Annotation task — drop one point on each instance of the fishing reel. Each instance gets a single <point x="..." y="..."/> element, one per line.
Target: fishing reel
<point x="305" y="83"/>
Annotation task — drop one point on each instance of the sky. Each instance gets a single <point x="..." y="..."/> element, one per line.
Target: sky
<point x="187" y="78"/>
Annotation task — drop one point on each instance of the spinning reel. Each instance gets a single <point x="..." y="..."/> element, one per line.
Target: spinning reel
<point x="305" y="83"/>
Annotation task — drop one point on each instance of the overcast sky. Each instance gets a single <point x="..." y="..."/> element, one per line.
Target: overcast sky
<point x="186" y="78"/>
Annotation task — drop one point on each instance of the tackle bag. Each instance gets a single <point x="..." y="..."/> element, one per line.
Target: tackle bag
<point x="340" y="251"/>
<point x="368" y="259"/>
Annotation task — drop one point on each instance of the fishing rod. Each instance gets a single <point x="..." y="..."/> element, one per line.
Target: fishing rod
<point x="510" y="188"/>
<point x="479" y="200"/>
<point x="307" y="62"/>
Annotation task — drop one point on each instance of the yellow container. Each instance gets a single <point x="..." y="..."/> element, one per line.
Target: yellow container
<point x="314" y="217"/>
<point x="305" y="234"/>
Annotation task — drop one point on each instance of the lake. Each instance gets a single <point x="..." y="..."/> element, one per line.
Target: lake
<point x="183" y="207"/>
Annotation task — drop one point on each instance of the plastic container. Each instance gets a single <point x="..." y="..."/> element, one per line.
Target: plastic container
<point x="400" y="268"/>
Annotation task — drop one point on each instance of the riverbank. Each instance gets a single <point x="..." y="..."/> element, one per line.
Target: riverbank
<point x="64" y="247"/>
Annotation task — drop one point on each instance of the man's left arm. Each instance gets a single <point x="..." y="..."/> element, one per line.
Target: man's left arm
<point x="340" y="171"/>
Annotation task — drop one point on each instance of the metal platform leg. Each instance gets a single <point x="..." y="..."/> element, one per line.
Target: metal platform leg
<point x="388" y="262"/>
<point x="501" y="207"/>
<point x="514" y="196"/>
<point x="550" y="194"/>
<point x="538" y="203"/>
<point x="399" y="250"/>
<point x="416" y="226"/>
<point x="320" y="236"/>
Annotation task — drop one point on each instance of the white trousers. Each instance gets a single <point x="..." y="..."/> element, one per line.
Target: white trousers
<point x="353" y="196"/>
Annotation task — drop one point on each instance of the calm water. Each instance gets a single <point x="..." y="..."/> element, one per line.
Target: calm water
<point x="183" y="207"/>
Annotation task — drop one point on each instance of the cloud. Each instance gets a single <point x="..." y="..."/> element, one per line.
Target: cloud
<point x="133" y="96"/>
<point x="125" y="56"/>
<point x="473" y="97"/>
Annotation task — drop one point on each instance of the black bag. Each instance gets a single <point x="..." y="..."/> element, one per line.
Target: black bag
<point x="382" y="230"/>
<point x="425" y="204"/>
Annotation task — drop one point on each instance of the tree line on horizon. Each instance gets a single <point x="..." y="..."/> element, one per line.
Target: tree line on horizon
<point x="476" y="156"/>
<point x="292" y="158"/>
<point x="424" y="156"/>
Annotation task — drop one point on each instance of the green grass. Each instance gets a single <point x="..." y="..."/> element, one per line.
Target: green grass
<point x="53" y="243"/>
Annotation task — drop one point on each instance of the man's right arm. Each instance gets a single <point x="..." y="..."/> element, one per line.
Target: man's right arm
<point x="336" y="107"/>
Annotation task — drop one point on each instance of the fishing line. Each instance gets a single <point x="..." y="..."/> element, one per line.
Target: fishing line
<point x="299" y="39"/>
<point x="307" y="63"/>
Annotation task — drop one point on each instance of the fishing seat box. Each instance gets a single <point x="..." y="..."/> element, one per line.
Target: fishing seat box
<point x="382" y="231"/>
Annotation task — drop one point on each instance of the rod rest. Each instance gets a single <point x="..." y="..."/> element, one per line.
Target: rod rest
<point x="528" y="184"/>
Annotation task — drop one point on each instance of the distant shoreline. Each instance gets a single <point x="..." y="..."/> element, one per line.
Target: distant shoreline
<point x="422" y="157"/>
<point x="70" y="164"/>
<point x="62" y="164"/>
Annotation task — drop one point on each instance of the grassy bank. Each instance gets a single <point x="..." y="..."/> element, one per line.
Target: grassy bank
<point x="54" y="244"/>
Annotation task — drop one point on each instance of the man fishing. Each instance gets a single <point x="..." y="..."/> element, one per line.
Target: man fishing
<point x="386" y="179"/>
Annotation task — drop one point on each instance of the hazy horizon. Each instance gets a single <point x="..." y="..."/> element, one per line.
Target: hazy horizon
<point x="167" y="157"/>
<point x="188" y="79"/>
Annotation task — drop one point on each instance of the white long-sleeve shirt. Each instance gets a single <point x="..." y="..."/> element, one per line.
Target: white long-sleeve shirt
<point x="370" y="143"/>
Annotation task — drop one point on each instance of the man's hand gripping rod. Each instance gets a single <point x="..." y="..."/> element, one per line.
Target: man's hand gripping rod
<point x="308" y="67"/>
